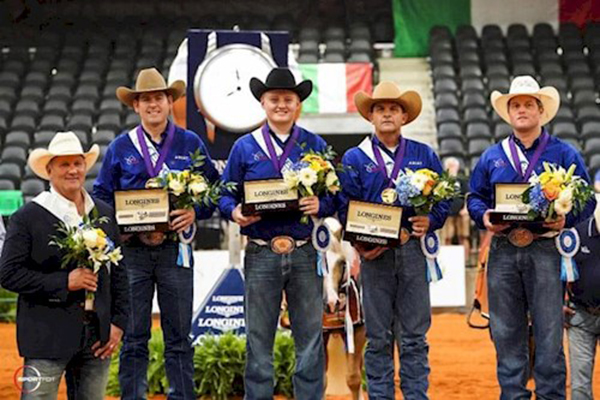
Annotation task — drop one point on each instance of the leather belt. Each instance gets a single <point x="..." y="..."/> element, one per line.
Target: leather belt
<point x="523" y="237"/>
<point x="281" y="244"/>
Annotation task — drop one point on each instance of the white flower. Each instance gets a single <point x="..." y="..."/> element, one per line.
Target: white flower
<point x="90" y="238"/>
<point x="176" y="187"/>
<point x="115" y="256"/>
<point x="441" y="189"/>
<point x="198" y="187"/>
<point x="291" y="179"/>
<point x="308" y="177"/>
<point x="331" y="179"/>
<point x="564" y="203"/>
<point x="419" y="181"/>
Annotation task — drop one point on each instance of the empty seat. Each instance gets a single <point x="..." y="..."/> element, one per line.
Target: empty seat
<point x="476" y="147"/>
<point x="594" y="162"/>
<point x="34" y="93"/>
<point x="497" y="70"/>
<point x="131" y="120"/>
<point x="103" y="136"/>
<point x="56" y="107"/>
<point x="502" y="130"/>
<point x="588" y="113"/>
<point x="446" y="100"/>
<point x="83" y="106"/>
<point x="449" y="130"/>
<point x="23" y="123"/>
<point x="452" y="147"/>
<point x="564" y="113"/>
<point x="445" y="85"/>
<point x="27" y="107"/>
<point x="498" y="83"/>
<point x="582" y="98"/>
<point x="590" y="129"/>
<point x="564" y="130"/>
<point x="18" y="139"/>
<point x="80" y="122"/>
<point x="14" y="154"/>
<point x="472" y="85"/>
<point x="32" y="187"/>
<point x="446" y="115"/>
<point x="11" y="171"/>
<point x="475" y="115"/>
<point x="443" y="71"/>
<point x="52" y="123"/>
<point x="472" y="100"/>
<point x="42" y="138"/>
<point x="87" y="92"/>
<point x="59" y="93"/>
<point x="478" y="130"/>
<point x="470" y="71"/>
<point x="7" y="184"/>
<point x="109" y="121"/>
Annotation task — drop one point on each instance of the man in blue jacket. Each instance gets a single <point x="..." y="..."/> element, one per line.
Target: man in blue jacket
<point x="155" y="261"/>
<point x="523" y="266"/>
<point x="394" y="280"/>
<point x="279" y="255"/>
<point x="583" y="311"/>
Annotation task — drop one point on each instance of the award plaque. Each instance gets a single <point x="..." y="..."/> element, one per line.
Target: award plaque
<point x="373" y="223"/>
<point x="144" y="210"/>
<point x="267" y="196"/>
<point x="509" y="207"/>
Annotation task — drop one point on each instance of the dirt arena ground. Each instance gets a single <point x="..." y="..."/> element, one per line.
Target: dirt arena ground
<point x="462" y="362"/>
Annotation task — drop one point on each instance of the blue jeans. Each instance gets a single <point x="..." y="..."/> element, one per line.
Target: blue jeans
<point x="86" y="375"/>
<point x="522" y="283"/>
<point x="149" y="268"/>
<point x="583" y="333"/>
<point x="267" y="275"/>
<point x="396" y="304"/>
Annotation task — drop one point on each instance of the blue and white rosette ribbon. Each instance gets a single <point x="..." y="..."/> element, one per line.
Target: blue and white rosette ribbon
<point x="185" y="256"/>
<point x="321" y="240"/>
<point x="567" y="244"/>
<point x="430" y="244"/>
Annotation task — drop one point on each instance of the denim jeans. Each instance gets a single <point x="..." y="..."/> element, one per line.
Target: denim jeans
<point x="267" y="275"/>
<point x="86" y="375"/>
<point x="522" y="283"/>
<point x="396" y="304"/>
<point x="583" y="333"/>
<point x="151" y="268"/>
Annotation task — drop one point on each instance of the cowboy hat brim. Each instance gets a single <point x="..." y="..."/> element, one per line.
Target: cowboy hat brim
<point x="258" y="88"/>
<point x="127" y="95"/>
<point x="548" y="95"/>
<point x="39" y="159"/>
<point x="409" y="100"/>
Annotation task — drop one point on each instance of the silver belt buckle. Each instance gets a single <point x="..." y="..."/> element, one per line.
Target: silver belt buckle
<point x="283" y="245"/>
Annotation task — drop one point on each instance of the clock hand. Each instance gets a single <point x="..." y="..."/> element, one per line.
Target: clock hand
<point x="230" y="93"/>
<point x="237" y="74"/>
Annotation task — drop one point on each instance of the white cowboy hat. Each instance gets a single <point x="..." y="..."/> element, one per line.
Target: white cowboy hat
<point x="389" y="91"/>
<point x="62" y="144"/>
<point x="527" y="86"/>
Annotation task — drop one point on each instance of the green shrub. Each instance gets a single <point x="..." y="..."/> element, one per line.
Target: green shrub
<point x="219" y="363"/>
<point x="8" y="306"/>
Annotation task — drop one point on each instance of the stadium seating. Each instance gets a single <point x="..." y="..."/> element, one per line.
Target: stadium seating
<point x="467" y="67"/>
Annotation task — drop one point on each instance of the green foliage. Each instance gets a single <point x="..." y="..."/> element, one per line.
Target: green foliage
<point x="284" y="363"/>
<point x="219" y="366"/>
<point x="8" y="306"/>
<point x="219" y="363"/>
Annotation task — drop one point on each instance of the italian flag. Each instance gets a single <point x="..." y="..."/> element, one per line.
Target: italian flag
<point x="334" y="86"/>
<point x="413" y="19"/>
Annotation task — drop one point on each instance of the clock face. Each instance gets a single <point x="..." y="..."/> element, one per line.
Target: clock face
<point x="222" y="86"/>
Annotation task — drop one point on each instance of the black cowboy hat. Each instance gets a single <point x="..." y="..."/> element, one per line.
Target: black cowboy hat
<point x="280" y="79"/>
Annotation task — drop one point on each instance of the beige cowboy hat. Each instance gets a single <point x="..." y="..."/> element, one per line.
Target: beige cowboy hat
<point x="62" y="144"/>
<point x="525" y="85"/>
<point x="389" y="91"/>
<point x="149" y="80"/>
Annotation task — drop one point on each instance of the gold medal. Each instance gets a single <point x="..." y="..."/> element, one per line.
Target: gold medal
<point x="404" y="236"/>
<point x="520" y="237"/>
<point x="389" y="196"/>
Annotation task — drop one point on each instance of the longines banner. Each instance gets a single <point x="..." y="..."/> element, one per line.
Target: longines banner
<point x="223" y="308"/>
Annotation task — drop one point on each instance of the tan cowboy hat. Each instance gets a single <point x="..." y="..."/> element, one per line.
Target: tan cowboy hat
<point x="389" y="91"/>
<point x="62" y="144"/>
<point x="525" y="85"/>
<point x="149" y="80"/>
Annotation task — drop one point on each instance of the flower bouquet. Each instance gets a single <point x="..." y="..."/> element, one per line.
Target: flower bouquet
<point x="556" y="192"/>
<point x="189" y="187"/>
<point x="313" y="175"/>
<point x="86" y="246"/>
<point x="424" y="188"/>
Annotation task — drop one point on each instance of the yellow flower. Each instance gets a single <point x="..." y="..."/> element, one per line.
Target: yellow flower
<point x="545" y="177"/>
<point x="429" y="173"/>
<point x="315" y="166"/>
